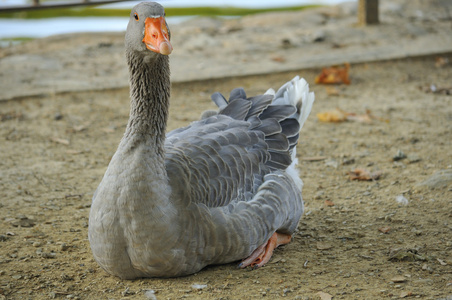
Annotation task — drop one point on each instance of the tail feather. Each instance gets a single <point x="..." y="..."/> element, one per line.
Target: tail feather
<point x="296" y="93"/>
<point x="279" y="115"/>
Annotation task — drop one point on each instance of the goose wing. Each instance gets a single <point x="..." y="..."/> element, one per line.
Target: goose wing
<point x="224" y="157"/>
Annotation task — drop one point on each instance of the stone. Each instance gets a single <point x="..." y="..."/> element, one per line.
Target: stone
<point x="439" y="180"/>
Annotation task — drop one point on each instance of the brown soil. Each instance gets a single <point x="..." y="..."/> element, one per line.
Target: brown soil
<point x="55" y="150"/>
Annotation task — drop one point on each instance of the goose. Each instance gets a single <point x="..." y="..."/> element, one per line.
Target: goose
<point x="223" y="189"/>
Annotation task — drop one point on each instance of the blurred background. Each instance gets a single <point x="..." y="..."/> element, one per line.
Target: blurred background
<point x="23" y="25"/>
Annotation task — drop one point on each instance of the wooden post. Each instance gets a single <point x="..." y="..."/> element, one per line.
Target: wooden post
<point x="368" y="12"/>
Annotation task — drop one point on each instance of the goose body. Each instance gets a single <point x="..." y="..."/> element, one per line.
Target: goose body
<point x="222" y="189"/>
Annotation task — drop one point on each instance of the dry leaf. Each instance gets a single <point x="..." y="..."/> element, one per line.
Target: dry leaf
<point x="329" y="203"/>
<point x="334" y="75"/>
<point x="365" y="118"/>
<point x="441" y="61"/>
<point x="364" y="175"/>
<point x="323" y="246"/>
<point x="384" y="229"/>
<point x="334" y="116"/>
<point x="324" y="296"/>
<point x="339" y="115"/>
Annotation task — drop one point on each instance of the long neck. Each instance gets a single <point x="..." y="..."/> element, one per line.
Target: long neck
<point x="149" y="93"/>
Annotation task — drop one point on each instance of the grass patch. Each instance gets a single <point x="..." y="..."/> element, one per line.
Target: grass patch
<point x="171" y="11"/>
<point x="6" y="42"/>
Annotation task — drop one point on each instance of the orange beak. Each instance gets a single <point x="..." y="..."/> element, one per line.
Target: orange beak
<point x="156" y="36"/>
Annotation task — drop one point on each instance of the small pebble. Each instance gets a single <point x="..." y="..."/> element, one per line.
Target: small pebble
<point x="64" y="247"/>
<point x="150" y="294"/>
<point x="413" y="158"/>
<point x="58" y="116"/>
<point x="402" y="200"/>
<point x="319" y="195"/>
<point x="199" y="286"/>
<point x="48" y="255"/>
<point x="399" y="156"/>
<point x="37" y="244"/>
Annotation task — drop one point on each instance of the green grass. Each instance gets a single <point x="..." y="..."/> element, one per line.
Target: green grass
<point x="172" y="12"/>
<point x="5" y="42"/>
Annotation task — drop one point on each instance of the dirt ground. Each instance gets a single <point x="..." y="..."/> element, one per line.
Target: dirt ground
<point x="386" y="238"/>
<point x="355" y="240"/>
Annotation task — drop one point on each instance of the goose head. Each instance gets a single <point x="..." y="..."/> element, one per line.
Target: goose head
<point x="147" y="32"/>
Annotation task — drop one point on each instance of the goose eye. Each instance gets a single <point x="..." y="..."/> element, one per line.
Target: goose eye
<point x="136" y="16"/>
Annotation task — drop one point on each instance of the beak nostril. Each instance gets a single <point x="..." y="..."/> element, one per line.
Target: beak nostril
<point x="156" y="36"/>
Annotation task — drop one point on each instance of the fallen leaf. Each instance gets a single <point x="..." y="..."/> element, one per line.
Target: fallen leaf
<point x="364" y="118"/>
<point x="384" y="229"/>
<point x="323" y="246"/>
<point x="324" y="296"/>
<point x="339" y="115"/>
<point x="329" y="203"/>
<point x="398" y="278"/>
<point x="334" y="75"/>
<point x="405" y="294"/>
<point x="367" y="117"/>
<point x="364" y="175"/>
<point x="441" y="61"/>
<point x="333" y="116"/>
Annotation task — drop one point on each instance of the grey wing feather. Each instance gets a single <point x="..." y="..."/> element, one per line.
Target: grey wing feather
<point x="236" y="109"/>
<point x="223" y="158"/>
<point x="238" y="93"/>
<point x="219" y="100"/>
<point x="221" y="166"/>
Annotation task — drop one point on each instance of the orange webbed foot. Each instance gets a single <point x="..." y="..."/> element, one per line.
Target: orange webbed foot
<point x="263" y="253"/>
